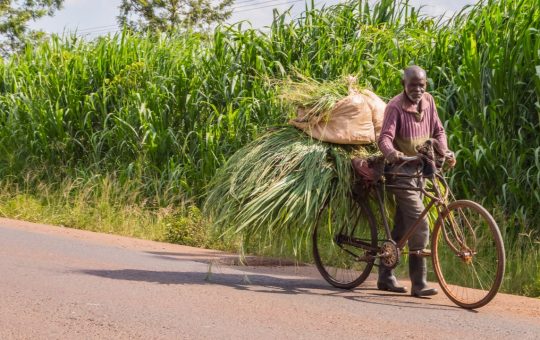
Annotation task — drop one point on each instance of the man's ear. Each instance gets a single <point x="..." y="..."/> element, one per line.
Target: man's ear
<point x="403" y="82"/>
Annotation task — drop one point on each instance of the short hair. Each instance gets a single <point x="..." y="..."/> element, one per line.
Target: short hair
<point x="413" y="70"/>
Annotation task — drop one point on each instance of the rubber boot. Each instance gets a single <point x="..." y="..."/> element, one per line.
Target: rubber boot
<point x="388" y="282"/>
<point x="418" y="274"/>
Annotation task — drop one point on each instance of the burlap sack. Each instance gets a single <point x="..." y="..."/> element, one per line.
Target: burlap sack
<point x="356" y="119"/>
<point x="377" y="106"/>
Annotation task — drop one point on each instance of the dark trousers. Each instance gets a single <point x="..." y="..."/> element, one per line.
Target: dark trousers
<point x="409" y="207"/>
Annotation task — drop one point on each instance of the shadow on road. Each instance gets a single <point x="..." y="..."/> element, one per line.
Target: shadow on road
<point x="269" y="284"/>
<point x="238" y="281"/>
<point x="226" y="259"/>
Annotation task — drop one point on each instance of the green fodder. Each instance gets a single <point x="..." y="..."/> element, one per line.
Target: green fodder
<point x="317" y="97"/>
<point x="274" y="188"/>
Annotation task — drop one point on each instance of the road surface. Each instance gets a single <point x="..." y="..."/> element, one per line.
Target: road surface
<point x="63" y="283"/>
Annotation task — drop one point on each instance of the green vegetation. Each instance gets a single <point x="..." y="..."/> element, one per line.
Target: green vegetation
<point x="271" y="190"/>
<point x="317" y="98"/>
<point x="142" y="123"/>
<point x="101" y="204"/>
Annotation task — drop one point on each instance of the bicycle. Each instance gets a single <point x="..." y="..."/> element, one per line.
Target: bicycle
<point x="466" y="245"/>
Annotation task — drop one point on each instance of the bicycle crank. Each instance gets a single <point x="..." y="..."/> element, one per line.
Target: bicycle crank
<point x="389" y="254"/>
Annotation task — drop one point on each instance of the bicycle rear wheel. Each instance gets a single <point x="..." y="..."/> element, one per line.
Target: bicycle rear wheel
<point x="468" y="254"/>
<point x="340" y="262"/>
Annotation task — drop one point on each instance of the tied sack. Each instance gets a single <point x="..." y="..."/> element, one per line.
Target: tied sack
<point x="355" y="119"/>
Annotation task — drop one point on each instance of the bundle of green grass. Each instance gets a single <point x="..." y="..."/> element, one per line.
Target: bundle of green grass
<point x="272" y="191"/>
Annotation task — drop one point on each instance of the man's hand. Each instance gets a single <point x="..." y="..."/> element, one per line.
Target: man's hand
<point x="395" y="156"/>
<point x="450" y="158"/>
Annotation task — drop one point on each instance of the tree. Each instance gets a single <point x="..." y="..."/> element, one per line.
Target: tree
<point x="165" y="15"/>
<point x="14" y="17"/>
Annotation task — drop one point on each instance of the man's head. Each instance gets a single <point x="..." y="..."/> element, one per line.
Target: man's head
<point x="414" y="83"/>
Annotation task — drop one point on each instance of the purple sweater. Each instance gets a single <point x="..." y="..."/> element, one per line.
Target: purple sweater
<point x="405" y="127"/>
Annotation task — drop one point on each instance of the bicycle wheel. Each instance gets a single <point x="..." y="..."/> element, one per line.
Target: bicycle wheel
<point x="468" y="254"/>
<point x="341" y="264"/>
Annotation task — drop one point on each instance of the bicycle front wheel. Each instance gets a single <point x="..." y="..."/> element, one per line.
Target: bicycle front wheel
<point x="337" y="254"/>
<point x="468" y="254"/>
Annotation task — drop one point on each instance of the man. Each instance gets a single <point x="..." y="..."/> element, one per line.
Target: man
<point x="410" y="119"/>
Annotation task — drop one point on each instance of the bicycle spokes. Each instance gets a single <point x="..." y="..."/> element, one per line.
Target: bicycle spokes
<point x="344" y="257"/>
<point x="468" y="254"/>
<point x="460" y="235"/>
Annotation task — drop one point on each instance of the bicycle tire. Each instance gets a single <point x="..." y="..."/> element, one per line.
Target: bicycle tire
<point x="338" y="267"/>
<point x="468" y="254"/>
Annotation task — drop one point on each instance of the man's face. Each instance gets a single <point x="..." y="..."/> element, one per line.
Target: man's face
<point x="415" y="86"/>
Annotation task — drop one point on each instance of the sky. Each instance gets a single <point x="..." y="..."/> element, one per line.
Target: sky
<point x="90" y="18"/>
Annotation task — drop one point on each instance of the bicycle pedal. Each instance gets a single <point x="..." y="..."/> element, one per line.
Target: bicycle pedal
<point x="423" y="252"/>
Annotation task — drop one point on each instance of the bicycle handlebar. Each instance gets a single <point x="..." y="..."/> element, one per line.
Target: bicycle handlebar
<point x="409" y="158"/>
<point x="420" y="158"/>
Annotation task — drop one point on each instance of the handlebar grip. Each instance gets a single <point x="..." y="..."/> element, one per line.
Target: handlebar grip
<point x="409" y="158"/>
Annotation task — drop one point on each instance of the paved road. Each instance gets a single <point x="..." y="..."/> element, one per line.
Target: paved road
<point x="64" y="283"/>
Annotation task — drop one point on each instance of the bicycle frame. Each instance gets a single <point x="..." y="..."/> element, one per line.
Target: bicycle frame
<point x="436" y="198"/>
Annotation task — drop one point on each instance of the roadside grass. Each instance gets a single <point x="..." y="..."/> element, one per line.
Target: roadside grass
<point x="523" y="265"/>
<point x="106" y="206"/>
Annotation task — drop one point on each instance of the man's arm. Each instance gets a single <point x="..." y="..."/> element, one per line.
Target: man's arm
<point x="388" y="133"/>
